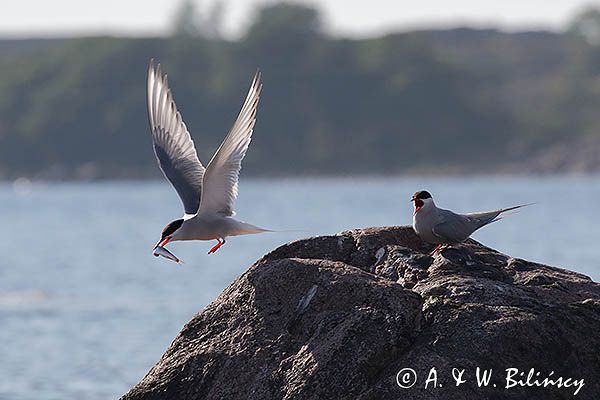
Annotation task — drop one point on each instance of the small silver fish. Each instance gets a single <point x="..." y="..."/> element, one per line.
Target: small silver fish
<point x="161" y="251"/>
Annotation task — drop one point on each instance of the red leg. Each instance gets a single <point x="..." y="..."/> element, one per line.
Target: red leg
<point x="217" y="246"/>
<point x="437" y="249"/>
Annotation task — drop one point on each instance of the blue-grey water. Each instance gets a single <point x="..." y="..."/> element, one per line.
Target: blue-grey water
<point x="86" y="310"/>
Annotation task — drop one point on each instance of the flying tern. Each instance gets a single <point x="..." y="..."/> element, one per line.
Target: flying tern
<point x="208" y="194"/>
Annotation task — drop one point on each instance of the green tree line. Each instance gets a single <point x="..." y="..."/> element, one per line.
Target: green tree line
<point x="437" y="100"/>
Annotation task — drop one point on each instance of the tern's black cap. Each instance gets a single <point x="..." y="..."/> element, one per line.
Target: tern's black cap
<point x="172" y="227"/>
<point x="422" y="195"/>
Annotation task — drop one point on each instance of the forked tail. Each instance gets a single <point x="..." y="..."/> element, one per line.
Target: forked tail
<point x="488" y="217"/>
<point x="244" y="228"/>
<point x="499" y="216"/>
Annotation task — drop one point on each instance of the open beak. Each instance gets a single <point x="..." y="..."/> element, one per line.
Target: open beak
<point x="417" y="208"/>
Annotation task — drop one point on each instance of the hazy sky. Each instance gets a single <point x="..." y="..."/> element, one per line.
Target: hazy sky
<point x="25" y="18"/>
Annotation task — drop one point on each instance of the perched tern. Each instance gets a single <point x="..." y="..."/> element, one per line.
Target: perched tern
<point x="444" y="227"/>
<point x="207" y="194"/>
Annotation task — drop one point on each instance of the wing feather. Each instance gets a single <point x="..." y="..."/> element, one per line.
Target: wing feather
<point x="173" y="145"/>
<point x="456" y="228"/>
<point x="220" y="183"/>
<point x="453" y="228"/>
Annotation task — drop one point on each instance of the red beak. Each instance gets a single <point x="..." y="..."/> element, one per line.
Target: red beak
<point x="163" y="243"/>
<point x="417" y="208"/>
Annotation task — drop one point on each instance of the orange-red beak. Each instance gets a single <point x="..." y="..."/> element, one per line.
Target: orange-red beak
<point x="417" y="207"/>
<point x="163" y="242"/>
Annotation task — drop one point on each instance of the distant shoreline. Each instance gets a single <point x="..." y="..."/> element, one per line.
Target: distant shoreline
<point x="440" y="102"/>
<point x="309" y="177"/>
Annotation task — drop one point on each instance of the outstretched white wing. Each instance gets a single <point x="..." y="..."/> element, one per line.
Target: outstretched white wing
<point x="220" y="182"/>
<point x="173" y="145"/>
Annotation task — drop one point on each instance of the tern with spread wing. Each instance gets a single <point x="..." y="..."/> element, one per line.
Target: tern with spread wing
<point x="207" y="194"/>
<point x="444" y="227"/>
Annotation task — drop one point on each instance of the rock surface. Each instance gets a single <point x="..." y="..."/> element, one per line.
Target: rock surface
<point x="337" y="317"/>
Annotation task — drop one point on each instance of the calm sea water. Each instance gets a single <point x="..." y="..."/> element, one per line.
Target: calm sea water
<point x="86" y="310"/>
